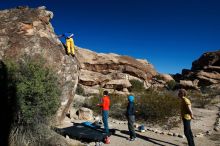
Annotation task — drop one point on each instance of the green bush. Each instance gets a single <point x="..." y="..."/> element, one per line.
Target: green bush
<point x="137" y="86"/>
<point x="80" y="90"/>
<point x="92" y="103"/>
<point x="35" y="100"/>
<point x="37" y="91"/>
<point x="118" y="106"/>
<point x="171" y="84"/>
<point x="157" y="107"/>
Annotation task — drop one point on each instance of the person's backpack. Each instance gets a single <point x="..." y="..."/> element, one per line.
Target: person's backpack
<point x="141" y="128"/>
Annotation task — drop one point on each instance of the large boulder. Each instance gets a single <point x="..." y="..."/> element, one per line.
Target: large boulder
<point x="208" y="78"/>
<point x="111" y="71"/>
<point x="85" y="114"/>
<point x="207" y="59"/>
<point x="28" y="32"/>
<point x="188" y="84"/>
<point x="91" y="78"/>
<point x="206" y="70"/>
<point x="108" y="63"/>
<point x="120" y="85"/>
<point x="165" y="77"/>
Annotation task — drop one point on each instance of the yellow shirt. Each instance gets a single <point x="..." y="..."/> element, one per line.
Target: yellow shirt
<point x="185" y="113"/>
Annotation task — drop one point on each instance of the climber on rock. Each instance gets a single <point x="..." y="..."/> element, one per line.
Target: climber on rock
<point x="69" y="43"/>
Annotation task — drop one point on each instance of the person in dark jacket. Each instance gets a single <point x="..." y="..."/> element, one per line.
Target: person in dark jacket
<point x="130" y="114"/>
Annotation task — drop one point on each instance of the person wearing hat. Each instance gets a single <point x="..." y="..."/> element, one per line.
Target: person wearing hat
<point x="130" y="114"/>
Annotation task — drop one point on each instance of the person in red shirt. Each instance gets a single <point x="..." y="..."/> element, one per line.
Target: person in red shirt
<point x="105" y="110"/>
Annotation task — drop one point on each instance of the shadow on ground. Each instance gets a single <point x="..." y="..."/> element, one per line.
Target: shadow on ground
<point x="152" y="140"/>
<point x="80" y="132"/>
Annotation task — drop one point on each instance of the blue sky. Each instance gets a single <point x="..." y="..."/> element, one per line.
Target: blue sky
<point x="170" y="34"/>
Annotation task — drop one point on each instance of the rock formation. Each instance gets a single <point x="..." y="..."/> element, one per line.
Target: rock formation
<point x="27" y="32"/>
<point x="111" y="71"/>
<point x="204" y="72"/>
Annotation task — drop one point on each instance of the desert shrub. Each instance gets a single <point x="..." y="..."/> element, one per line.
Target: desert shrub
<point x="171" y="84"/>
<point x="37" y="92"/>
<point x="25" y="135"/>
<point x="92" y="103"/>
<point x="37" y="98"/>
<point x="118" y="106"/>
<point x="137" y="86"/>
<point x="80" y="90"/>
<point x="201" y="102"/>
<point x="212" y="92"/>
<point x="157" y="107"/>
<point x="199" y="99"/>
<point x="41" y="135"/>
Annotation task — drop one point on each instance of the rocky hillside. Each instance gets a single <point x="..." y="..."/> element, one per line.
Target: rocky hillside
<point x="27" y="32"/>
<point x="205" y="71"/>
<point x="111" y="71"/>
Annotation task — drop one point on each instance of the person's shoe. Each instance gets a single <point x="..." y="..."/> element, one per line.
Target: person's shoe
<point x="132" y="139"/>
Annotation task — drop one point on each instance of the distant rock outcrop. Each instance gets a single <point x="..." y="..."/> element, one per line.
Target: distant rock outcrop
<point x="209" y="60"/>
<point x="27" y="31"/>
<point x="111" y="71"/>
<point x="204" y="72"/>
<point x="165" y="77"/>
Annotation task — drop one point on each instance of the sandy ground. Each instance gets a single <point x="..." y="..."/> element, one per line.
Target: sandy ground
<point x="204" y="121"/>
<point x="152" y="139"/>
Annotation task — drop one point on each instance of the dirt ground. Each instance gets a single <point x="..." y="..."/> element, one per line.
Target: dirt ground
<point x="203" y="122"/>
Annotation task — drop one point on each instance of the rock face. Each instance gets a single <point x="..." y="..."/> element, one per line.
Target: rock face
<point x="207" y="60"/>
<point x="165" y="77"/>
<point x="27" y="31"/>
<point x="111" y="71"/>
<point x="206" y="70"/>
<point x="188" y="84"/>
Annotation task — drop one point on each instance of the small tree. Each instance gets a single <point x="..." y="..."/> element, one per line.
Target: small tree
<point x="37" y="91"/>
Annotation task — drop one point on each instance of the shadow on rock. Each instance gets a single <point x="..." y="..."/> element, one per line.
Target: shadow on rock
<point x="7" y="104"/>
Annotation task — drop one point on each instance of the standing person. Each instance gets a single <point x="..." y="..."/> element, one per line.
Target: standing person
<point x="187" y="115"/>
<point x="105" y="110"/>
<point x="69" y="42"/>
<point x="130" y="114"/>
